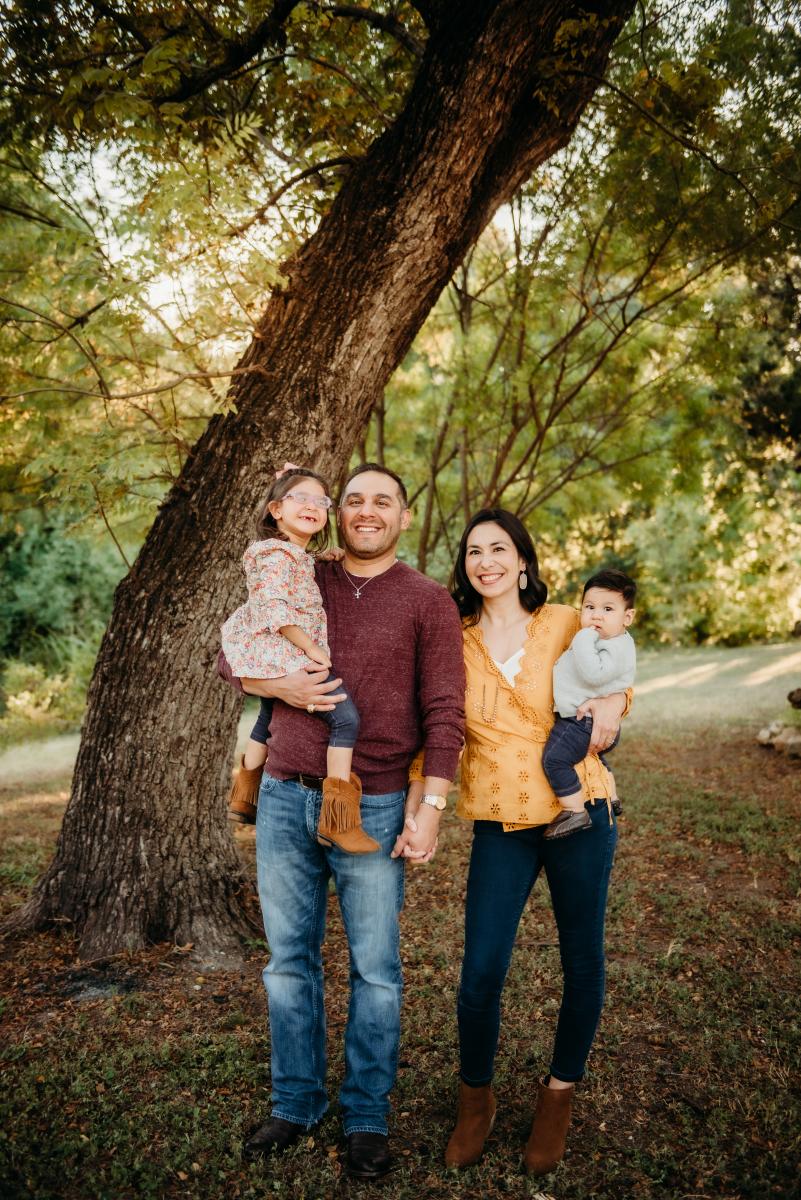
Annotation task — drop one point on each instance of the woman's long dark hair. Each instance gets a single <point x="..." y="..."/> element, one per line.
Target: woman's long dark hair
<point x="265" y="521"/>
<point x="468" y="601"/>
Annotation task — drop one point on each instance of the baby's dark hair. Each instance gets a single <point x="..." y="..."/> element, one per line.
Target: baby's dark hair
<point x="614" y="581"/>
<point x="265" y="521"/>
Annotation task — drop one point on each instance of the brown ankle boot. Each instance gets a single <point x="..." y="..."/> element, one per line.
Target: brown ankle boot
<point x="475" y="1118"/>
<point x="340" y="820"/>
<point x="546" y="1142"/>
<point x="244" y="794"/>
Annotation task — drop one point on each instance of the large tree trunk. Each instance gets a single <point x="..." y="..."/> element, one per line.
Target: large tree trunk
<point x="144" y="852"/>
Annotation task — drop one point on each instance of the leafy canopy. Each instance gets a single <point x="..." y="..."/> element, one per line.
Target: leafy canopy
<point x="621" y="341"/>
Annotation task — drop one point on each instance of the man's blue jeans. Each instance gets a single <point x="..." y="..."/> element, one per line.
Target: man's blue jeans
<point x="503" y="870"/>
<point x="293" y="874"/>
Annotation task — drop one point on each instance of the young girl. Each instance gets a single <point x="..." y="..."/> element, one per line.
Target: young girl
<point x="282" y="628"/>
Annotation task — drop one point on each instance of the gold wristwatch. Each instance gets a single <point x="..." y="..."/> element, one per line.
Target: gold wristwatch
<point x="438" y="802"/>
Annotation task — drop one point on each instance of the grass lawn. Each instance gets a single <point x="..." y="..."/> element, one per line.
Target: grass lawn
<point x="138" y="1077"/>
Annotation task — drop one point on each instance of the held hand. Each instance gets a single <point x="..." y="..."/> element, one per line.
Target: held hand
<point x="403" y="847"/>
<point x="302" y="688"/>
<point x="413" y="794"/>
<point x="318" y="655"/>
<point x="606" y="712"/>
<point x="423" y="858"/>
<point x="423" y="839"/>
<point x="418" y="840"/>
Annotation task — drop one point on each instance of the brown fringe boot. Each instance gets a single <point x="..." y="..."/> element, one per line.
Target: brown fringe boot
<point x="546" y="1143"/>
<point x="244" y="794"/>
<point x="340" y="819"/>
<point x="475" y="1118"/>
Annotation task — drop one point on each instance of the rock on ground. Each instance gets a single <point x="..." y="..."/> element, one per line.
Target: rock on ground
<point x="788" y="742"/>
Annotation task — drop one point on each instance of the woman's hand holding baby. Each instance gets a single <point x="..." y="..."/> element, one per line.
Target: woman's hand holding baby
<point x="606" y="713"/>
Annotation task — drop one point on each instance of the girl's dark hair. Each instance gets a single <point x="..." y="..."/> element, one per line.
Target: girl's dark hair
<point x="468" y="601"/>
<point x="265" y="521"/>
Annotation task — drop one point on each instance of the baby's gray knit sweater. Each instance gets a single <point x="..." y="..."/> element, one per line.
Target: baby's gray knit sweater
<point x="592" y="666"/>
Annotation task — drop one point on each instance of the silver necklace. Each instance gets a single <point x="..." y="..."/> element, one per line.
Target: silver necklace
<point x="358" y="590"/>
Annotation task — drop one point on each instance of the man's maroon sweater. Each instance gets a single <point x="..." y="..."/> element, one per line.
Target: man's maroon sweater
<point x="398" y="650"/>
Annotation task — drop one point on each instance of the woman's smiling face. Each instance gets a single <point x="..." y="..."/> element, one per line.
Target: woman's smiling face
<point x="492" y="562"/>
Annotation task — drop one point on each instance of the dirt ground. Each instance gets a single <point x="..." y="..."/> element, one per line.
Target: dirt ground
<point x="140" y="1076"/>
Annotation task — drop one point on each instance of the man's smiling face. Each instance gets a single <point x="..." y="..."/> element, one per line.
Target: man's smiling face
<point x="371" y="515"/>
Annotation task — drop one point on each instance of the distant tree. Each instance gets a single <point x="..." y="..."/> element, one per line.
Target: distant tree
<point x="50" y="583"/>
<point x="596" y="335"/>
<point x="771" y="401"/>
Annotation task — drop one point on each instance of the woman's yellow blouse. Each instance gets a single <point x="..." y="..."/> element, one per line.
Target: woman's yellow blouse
<point x="506" y="727"/>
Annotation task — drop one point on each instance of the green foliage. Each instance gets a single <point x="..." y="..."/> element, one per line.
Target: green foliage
<point x="34" y="704"/>
<point x="723" y="566"/>
<point x="605" y="350"/>
<point x="597" y="364"/>
<point x="772" y="386"/>
<point x="142" y="232"/>
<point x="180" y="70"/>
<point x="55" y="589"/>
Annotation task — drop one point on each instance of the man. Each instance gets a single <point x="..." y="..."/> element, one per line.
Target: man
<point x="396" y="638"/>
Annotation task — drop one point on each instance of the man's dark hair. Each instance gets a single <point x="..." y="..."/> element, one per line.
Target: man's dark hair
<point x="374" y="466"/>
<point x="468" y="601"/>
<point x="614" y="581"/>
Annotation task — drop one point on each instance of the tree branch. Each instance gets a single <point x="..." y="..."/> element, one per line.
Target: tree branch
<point x="383" y="21"/>
<point x="111" y="532"/>
<point x="261" y="211"/>
<point x="431" y="11"/>
<point x="67" y="330"/>
<point x="30" y="215"/>
<point x="123" y="21"/>
<point x="180" y="377"/>
<point x="681" y="139"/>
<point x="271" y="29"/>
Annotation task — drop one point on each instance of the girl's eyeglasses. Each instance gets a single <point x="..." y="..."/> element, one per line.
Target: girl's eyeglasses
<point x="304" y="498"/>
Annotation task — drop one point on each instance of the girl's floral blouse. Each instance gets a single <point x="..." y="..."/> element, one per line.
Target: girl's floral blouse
<point x="281" y="591"/>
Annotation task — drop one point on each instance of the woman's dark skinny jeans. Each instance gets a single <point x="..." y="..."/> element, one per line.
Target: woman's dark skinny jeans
<point x="503" y="869"/>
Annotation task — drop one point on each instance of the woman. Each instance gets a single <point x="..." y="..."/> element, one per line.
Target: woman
<point x="512" y="639"/>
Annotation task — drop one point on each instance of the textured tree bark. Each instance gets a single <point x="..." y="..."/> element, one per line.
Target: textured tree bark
<point x="144" y="852"/>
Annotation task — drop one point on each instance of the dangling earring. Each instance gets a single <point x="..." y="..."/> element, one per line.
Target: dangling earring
<point x="522" y="581"/>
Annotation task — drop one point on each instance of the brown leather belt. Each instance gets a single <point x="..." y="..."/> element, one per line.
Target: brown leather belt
<point x="313" y="782"/>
